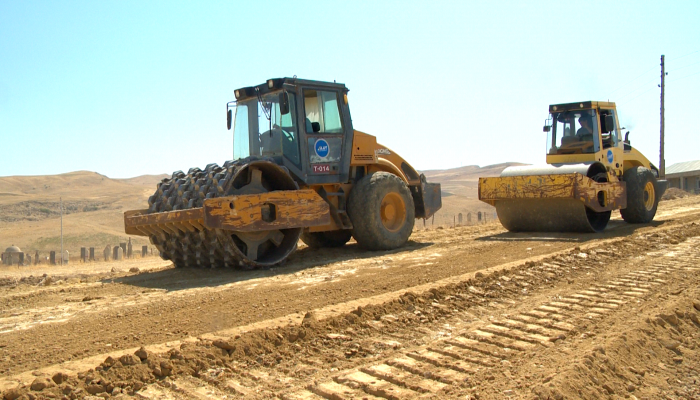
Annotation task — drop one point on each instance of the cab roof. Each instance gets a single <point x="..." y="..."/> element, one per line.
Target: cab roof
<point x="272" y="85"/>
<point x="581" y="105"/>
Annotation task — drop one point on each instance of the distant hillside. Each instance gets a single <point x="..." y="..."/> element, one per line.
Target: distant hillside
<point x="460" y="191"/>
<point x="145" y="180"/>
<point x="93" y="206"/>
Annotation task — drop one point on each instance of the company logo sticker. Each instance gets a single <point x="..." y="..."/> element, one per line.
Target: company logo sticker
<point x="610" y="156"/>
<point x="321" y="147"/>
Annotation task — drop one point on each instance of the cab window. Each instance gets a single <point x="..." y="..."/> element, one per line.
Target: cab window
<point x="609" y="134"/>
<point x="322" y="112"/>
<point x="573" y="132"/>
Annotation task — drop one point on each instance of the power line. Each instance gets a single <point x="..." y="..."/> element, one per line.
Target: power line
<point x="696" y="51"/>
<point x="639" y="87"/>
<point x="683" y="77"/>
<point x="650" y="69"/>
<point x="685" y="66"/>
<point x="626" y="84"/>
<point x="632" y="98"/>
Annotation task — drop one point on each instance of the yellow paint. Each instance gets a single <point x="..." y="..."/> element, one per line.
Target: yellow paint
<point x="575" y="186"/>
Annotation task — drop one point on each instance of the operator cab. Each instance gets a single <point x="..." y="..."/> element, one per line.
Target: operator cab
<point x="301" y="124"/>
<point x="581" y="128"/>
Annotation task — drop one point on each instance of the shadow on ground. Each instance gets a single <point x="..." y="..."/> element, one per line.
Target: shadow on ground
<point x="187" y="278"/>
<point x="615" y="229"/>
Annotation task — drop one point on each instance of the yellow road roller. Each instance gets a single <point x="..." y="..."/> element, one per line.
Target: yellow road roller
<point x="300" y="171"/>
<point x="590" y="171"/>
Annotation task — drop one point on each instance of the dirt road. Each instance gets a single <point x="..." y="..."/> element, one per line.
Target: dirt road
<point x="472" y="312"/>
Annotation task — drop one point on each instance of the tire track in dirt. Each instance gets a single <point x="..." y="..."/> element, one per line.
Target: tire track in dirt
<point x="445" y="342"/>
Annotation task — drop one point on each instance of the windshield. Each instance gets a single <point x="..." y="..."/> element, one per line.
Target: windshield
<point x="573" y="132"/>
<point x="277" y="134"/>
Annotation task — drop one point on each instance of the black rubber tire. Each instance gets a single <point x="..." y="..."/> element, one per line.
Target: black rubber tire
<point x="364" y="210"/>
<point x="636" y="212"/>
<point x="318" y="240"/>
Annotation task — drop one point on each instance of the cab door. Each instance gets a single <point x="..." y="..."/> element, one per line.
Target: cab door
<point x="326" y="125"/>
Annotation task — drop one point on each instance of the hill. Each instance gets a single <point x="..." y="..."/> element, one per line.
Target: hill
<point x="460" y="192"/>
<point x="94" y="205"/>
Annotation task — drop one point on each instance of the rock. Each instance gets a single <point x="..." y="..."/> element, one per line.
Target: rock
<point x="94" y="388"/>
<point x="224" y="344"/>
<point x="166" y="368"/>
<point x="608" y="388"/>
<point x="109" y="362"/>
<point x="678" y="360"/>
<point x="696" y="304"/>
<point x="669" y="343"/>
<point x="141" y="353"/>
<point x="42" y="383"/>
<point x="309" y="319"/>
<point x="631" y="388"/>
<point x="46" y="281"/>
<point x="134" y="269"/>
<point x="12" y="394"/>
<point x="670" y="318"/>
<point x="59" y="378"/>
<point x="129" y="359"/>
<point x="558" y="337"/>
<point x="694" y="318"/>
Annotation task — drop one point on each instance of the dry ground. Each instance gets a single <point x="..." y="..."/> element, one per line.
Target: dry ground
<point x="471" y="312"/>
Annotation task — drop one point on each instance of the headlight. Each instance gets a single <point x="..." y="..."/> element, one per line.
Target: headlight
<point x="238" y="93"/>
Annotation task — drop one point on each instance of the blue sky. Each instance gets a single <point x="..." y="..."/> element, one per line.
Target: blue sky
<point x="129" y="88"/>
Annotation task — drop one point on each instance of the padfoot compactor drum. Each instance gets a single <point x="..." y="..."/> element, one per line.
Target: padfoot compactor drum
<point x="300" y="171"/>
<point x="591" y="172"/>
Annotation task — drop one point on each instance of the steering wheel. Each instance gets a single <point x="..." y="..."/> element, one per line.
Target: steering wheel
<point x="288" y="135"/>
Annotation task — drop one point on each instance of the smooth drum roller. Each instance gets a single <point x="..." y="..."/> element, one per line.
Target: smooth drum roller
<point x="550" y="215"/>
<point x="534" y="200"/>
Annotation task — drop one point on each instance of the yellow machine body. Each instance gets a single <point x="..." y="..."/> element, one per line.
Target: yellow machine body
<point x="583" y="181"/>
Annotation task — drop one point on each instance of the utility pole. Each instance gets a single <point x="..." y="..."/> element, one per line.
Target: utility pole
<point x="662" y="160"/>
<point x="60" y="204"/>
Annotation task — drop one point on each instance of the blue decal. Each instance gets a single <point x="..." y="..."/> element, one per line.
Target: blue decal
<point x="610" y="156"/>
<point x="322" y="149"/>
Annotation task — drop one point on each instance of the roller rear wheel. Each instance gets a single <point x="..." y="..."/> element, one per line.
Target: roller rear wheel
<point x="382" y="212"/>
<point x="642" y="200"/>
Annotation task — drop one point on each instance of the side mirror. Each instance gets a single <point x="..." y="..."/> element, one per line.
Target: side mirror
<point x="229" y="117"/>
<point x="608" y="124"/>
<point x="284" y="103"/>
<point x="546" y="128"/>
